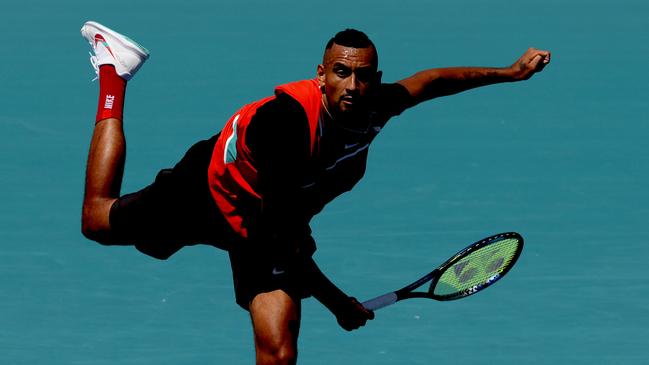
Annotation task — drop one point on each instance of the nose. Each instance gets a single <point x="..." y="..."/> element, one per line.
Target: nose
<point x="352" y="84"/>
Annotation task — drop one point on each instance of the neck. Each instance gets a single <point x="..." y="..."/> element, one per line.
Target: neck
<point x="326" y="109"/>
<point x="338" y="123"/>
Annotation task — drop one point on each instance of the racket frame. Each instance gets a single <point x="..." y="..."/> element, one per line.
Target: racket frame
<point x="434" y="276"/>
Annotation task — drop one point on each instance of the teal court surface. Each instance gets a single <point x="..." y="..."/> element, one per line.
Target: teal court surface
<point x="561" y="158"/>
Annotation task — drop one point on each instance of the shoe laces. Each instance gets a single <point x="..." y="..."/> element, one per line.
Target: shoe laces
<point x="93" y="62"/>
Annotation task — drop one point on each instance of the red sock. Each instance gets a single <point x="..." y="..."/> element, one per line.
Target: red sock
<point x="111" y="94"/>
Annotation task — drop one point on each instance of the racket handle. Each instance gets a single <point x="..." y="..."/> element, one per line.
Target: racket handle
<point x="380" y="301"/>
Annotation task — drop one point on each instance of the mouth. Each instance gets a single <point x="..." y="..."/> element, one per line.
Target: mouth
<point x="348" y="101"/>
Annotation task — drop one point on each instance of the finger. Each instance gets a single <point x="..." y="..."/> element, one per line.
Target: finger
<point x="346" y="326"/>
<point x="537" y="63"/>
<point x="541" y="63"/>
<point x="545" y="56"/>
<point x="360" y="324"/>
<point x="370" y="314"/>
<point x="352" y="326"/>
<point x="534" y="62"/>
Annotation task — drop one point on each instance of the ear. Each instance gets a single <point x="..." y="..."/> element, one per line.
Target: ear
<point x="321" y="76"/>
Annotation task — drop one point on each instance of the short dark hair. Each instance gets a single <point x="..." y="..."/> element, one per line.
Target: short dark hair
<point x="350" y="38"/>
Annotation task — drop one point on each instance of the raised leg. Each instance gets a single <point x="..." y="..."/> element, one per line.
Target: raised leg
<point x="116" y="59"/>
<point x="103" y="178"/>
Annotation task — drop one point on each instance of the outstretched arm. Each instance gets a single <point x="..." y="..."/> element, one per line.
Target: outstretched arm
<point x="433" y="83"/>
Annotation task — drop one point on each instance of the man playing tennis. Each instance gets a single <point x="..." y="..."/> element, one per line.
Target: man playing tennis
<point x="253" y="188"/>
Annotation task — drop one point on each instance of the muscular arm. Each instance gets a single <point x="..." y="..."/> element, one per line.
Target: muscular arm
<point x="349" y="313"/>
<point x="433" y="83"/>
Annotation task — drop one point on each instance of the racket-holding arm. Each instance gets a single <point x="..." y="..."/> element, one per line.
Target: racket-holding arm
<point x="349" y="313"/>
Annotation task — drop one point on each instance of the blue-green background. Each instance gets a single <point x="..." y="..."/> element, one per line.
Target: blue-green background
<point x="560" y="158"/>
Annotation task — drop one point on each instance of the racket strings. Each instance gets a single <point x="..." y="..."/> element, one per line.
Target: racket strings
<point x="480" y="267"/>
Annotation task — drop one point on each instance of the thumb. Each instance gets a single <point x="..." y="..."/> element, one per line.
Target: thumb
<point x="368" y="313"/>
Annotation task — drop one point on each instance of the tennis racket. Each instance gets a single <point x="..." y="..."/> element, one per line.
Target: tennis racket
<point x="471" y="270"/>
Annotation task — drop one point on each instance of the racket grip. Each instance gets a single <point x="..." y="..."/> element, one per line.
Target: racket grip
<point x="380" y="301"/>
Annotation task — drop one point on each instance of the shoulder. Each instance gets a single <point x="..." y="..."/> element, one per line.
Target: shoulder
<point x="281" y="120"/>
<point x="394" y="90"/>
<point x="282" y="104"/>
<point x="281" y="112"/>
<point x="392" y="99"/>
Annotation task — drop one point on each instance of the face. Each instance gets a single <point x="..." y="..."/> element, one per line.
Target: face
<point x="348" y="76"/>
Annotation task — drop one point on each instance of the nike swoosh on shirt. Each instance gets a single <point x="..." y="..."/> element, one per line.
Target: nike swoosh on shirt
<point x="100" y="38"/>
<point x="350" y="154"/>
<point x="351" y="145"/>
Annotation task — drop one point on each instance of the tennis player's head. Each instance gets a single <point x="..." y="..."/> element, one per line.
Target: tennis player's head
<point x="348" y="73"/>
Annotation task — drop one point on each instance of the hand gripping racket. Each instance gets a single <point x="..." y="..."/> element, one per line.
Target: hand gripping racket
<point x="471" y="270"/>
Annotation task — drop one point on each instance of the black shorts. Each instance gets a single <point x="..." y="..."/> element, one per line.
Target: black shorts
<point x="177" y="210"/>
<point x="259" y="272"/>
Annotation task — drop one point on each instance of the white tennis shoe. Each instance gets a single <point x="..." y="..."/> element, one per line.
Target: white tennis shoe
<point x="112" y="48"/>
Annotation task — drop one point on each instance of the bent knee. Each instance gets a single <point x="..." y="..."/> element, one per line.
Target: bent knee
<point x="95" y="232"/>
<point x="95" y="222"/>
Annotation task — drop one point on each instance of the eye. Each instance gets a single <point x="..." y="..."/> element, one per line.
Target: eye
<point x="342" y="71"/>
<point x="364" y="75"/>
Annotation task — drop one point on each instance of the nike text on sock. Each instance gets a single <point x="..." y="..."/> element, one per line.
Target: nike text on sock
<point x="109" y="101"/>
<point x="112" y="89"/>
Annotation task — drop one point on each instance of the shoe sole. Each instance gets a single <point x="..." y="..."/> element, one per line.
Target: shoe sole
<point x="123" y="40"/>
